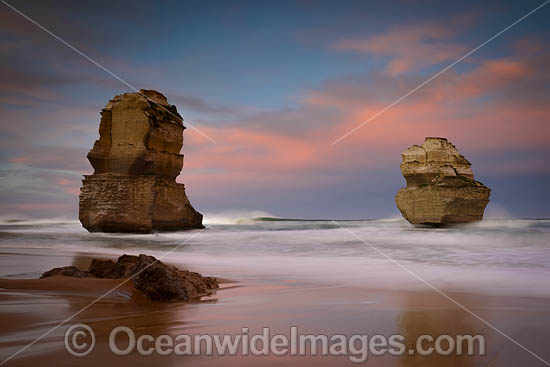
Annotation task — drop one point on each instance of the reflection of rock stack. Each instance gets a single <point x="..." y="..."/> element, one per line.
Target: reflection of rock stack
<point x="440" y="186"/>
<point x="136" y="161"/>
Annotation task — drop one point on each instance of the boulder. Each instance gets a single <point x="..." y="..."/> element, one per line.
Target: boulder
<point x="441" y="189"/>
<point x="136" y="161"/>
<point x="67" y="271"/>
<point x="158" y="281"/>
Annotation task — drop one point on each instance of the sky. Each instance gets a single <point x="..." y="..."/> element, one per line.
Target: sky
<point x="274" y="84"/>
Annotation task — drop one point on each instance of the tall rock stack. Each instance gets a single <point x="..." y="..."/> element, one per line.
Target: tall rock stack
<point x="136" y="161"/>
<point x="441" y="189"/>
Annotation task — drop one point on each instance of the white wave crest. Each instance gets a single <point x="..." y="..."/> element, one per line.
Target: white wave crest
<point x="235" y="217"/>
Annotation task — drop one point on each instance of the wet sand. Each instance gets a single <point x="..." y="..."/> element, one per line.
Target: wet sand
<point x="29" y="308"/>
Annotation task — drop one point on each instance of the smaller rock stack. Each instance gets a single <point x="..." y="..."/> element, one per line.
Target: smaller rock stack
<point x="136" y="161"/>
<point x="441" y="189"/>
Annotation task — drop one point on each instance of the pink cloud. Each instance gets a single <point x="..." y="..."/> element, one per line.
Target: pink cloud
<point x="70" y="159"/>
<point x="472" y="109"/>
<point x="69" y="186"/>
<point x="242" y="149"/>
<point x="410" y="47"/>
<point x="64" y="181"/>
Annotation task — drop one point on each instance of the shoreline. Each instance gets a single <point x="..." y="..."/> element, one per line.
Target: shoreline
<point x="314" y="308"/>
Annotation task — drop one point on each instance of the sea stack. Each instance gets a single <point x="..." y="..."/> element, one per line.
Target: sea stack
<point x="136" y="161"/>
<point x="441" y="189"/>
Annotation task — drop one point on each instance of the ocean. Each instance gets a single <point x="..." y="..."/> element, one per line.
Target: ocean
<point x="494" y="257"/>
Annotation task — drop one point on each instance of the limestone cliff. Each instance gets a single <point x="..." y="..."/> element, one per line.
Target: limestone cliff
<point x="441" y="188"/>
<point x="136" y="161"/>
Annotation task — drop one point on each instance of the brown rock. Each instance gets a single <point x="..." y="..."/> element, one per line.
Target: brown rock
<point x="68" y="271"/>
<point x="441" y="188"/>
<point x="126" y="266"/>
<point x="158" y="281"/>
<point x="136" y="161"/>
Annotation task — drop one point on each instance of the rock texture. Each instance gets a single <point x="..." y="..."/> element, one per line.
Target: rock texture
<point x="67" y="271"/>
<point x="441" y="189"/>
<point x="158" y="281"/>
<point x="136" y="161"/>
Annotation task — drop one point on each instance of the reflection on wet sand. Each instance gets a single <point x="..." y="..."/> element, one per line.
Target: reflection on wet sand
<point x="29" y="308"/>
<point x="435" y="320"/>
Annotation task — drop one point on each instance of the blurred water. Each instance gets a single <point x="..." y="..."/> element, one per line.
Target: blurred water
<point x="509" y="256"/>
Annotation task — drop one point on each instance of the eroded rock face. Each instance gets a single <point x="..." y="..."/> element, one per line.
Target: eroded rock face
<point x="441" y="189"/>
<point x="158" y="281"/>
<point x="136" y="161"/>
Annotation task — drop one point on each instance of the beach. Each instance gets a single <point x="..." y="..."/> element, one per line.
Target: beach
<point x="333" y="286"/>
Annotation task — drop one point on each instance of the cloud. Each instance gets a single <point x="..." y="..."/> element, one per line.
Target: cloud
<point x="36" y="192"/>
<point x="496" y="106"/>
<point x="411" y="47"/>
<point x="54" y="158"/>
<point x="194" y="103"/>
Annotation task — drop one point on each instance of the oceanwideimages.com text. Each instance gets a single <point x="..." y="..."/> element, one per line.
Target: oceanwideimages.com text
<point x="80" y="341"/>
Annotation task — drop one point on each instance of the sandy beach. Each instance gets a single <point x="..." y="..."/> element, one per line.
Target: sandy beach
<point x="31" y="307"/>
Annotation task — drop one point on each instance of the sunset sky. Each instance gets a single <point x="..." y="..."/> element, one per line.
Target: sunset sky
<point x="274" y="84"/>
